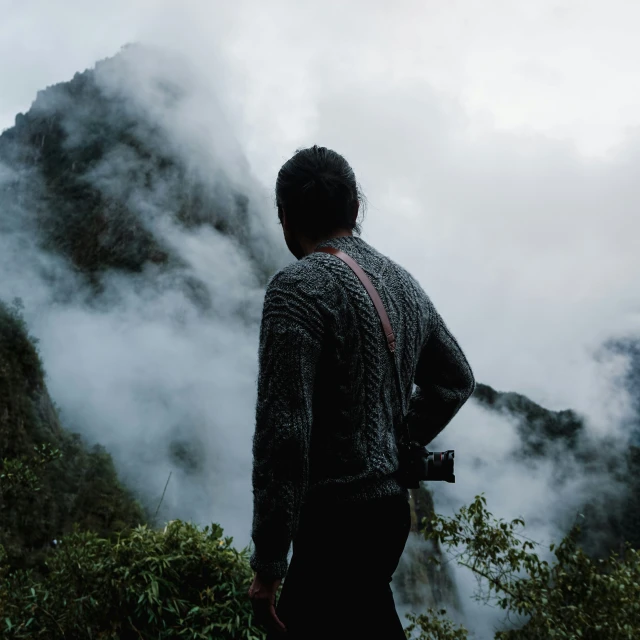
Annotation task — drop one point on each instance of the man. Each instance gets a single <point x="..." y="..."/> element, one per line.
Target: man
<point x="324" y="449"/>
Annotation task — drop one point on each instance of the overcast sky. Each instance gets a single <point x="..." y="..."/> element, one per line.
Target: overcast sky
<point x="496" y="142"/>
<point x="567" y="69"/>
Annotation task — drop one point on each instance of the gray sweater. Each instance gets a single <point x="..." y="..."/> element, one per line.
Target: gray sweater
<point x="327" y="398"/>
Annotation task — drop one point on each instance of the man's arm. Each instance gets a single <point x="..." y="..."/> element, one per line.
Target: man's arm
<point x="444" y="380"/>
<point x="290" y="343"/>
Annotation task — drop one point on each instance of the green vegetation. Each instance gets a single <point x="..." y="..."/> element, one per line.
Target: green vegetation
<point x="572" y="597"/>
<point x="180" y="582"/>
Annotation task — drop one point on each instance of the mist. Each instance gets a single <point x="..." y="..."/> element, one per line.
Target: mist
<point x="507" y="190"/>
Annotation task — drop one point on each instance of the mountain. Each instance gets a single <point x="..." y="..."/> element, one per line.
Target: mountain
<point x="561" y="436"/>
<point x="93" y="172"/>
<point x="96" y="179"/>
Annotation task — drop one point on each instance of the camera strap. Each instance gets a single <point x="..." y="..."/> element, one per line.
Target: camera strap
<point x="382" y="313"/>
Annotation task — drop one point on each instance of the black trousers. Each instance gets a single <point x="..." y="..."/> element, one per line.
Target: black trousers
<point x="338" y="582"/>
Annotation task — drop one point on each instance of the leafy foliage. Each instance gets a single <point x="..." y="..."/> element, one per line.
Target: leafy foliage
<point x="573" y="597"/>
<point x="180" y="583"/>
<point x="23" y="472"/>
<point x="434" y="626"/>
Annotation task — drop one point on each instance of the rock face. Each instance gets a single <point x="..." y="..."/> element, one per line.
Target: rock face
<point x="421" y="583"/>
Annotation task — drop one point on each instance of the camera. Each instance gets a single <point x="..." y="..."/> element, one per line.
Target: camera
<point x="417" y="463"/>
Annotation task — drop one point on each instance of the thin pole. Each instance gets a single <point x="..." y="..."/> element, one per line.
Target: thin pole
<point x="165" y="488"/>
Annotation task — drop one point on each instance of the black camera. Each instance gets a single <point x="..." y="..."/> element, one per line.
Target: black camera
<point x="417" y="463"/>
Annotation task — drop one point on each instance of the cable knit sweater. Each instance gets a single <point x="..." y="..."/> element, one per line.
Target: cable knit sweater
<point x="327" y="399"/>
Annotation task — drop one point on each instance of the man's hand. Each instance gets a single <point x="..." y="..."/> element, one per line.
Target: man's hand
<point x="263" y="597"/>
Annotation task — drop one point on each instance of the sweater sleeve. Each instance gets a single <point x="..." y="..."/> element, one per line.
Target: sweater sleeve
<point x="444" y="380"/>
<point x="291" y="335"/>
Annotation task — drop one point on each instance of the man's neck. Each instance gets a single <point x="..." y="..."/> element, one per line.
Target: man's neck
<point x="309" y="246"/>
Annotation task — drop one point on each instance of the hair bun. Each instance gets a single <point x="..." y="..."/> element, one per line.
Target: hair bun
<point x="318" y="189"/>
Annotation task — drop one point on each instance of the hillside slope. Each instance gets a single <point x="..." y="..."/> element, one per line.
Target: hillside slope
<point x="80" y="487"/>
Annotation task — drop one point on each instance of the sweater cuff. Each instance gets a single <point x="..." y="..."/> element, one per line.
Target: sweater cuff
<point x="269" y="570"/>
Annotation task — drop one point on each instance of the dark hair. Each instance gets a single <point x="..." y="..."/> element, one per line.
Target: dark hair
<point x="317" y="187"/>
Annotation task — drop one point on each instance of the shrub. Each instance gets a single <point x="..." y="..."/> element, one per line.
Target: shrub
<point x="573" y="597"/>
<point x="178" y="583"/>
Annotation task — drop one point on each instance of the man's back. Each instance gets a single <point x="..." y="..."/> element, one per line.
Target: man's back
<point x="354" y="403"/>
